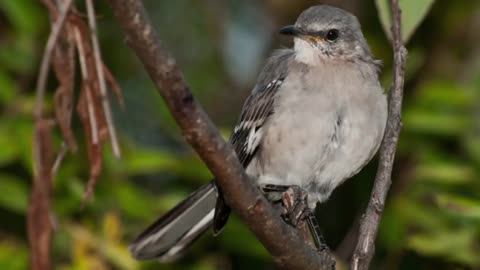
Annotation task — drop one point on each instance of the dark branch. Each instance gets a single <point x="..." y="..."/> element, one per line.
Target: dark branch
<point x="283" y="242"/>
<point x="365" y="248"/>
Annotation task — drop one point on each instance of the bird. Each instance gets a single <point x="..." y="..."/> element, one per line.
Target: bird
<point x="315" y="117"/>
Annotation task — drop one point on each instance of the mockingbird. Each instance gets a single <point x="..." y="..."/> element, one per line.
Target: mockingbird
<point x="315" y="117"/>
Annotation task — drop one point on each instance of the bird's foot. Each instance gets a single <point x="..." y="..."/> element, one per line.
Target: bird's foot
<point x="295" y="210"/>
<point x="294" y="201"/>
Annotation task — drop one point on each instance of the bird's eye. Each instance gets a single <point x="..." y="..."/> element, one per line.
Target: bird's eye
<point x="332" y="34"/>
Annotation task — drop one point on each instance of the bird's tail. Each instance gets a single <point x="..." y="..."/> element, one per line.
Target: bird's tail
<point x="169" y="236"/>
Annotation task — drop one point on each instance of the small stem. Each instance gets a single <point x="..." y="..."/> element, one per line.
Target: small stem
<point x="101" y="78"/>
<point x="365" y="247"/>
<point x="47" y="56"/>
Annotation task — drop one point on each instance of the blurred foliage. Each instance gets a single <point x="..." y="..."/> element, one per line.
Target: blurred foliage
<point x="432" y="220"/>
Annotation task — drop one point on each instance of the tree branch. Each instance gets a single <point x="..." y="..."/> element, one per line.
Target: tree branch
<point x="280" y="239"/>
<point x="365" y="248"/>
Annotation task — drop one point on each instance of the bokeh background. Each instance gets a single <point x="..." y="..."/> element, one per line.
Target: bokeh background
<point x="432" y="219"/>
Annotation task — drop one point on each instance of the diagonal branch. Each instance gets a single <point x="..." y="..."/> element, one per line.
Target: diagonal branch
<point x="283" y="242"/>
<point x="365" y="248"/>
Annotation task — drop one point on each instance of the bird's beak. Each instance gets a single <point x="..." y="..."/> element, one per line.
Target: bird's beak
<point x="295" y="31"/>
<point x="291" y="30"/>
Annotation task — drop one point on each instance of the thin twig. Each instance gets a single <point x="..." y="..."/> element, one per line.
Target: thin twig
<point x="114" y="86"/>
<point x="288" y="249"/>
<point x="92" y="115"/>
<point x="101" y="77"/>
<point x="84" y="71"/>
<point x="60" y="157"/>
<point x="81" y="53"/>
<point x="45" y="65"/>
<point x="365" y="248"/>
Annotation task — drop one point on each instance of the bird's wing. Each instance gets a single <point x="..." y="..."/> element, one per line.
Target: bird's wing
<point x="248" y="132"/>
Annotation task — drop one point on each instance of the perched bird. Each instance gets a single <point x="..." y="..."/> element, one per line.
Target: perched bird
<point x="315" y="117"/>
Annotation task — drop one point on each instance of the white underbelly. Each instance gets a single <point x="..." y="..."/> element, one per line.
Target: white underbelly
<point x="316" y="149"/>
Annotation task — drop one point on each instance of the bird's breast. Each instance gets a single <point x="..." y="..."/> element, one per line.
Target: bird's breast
<point x="321" y="132"/>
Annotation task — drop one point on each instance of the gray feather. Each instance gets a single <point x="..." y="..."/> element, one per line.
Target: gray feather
<point x="171" y="234"/>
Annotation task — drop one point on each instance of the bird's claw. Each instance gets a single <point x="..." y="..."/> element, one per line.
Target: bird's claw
<point x="295" y="209"/>
<point x="294" y="201"/>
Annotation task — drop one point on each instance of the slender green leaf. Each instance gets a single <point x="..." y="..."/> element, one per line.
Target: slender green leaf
<point x="15" y="194"/>
<point x="13" y="256"/>
<point x="444" y="242"/>
<point x="459" y="206"/>
<point x="23" y="14"/>
<point x="413" y="12"/>
<point x="7" y="88"/>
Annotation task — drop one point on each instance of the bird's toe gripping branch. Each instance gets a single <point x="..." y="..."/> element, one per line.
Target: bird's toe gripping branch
<point x="295" y="209"/>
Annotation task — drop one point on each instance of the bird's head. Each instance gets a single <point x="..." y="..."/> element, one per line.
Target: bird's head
<point x="324" y="32"/>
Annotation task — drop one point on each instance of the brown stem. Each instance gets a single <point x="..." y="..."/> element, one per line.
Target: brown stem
<point x="47" y="56"/>
<point x="283" y="242"/>
<point x="101" y="79"/>
<point x="365" y="248"/>
<point x="39" y="225"/>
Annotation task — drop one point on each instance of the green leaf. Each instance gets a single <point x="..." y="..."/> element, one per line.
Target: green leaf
<point x="16" y="194"/>
<point x="137" y="203"/>
<point x="133" y="201"/>
<point x="149" y="161"/>
<point x="419" y="216"/>
<point x="23" y="14"/>
<point x="446" y="172"/>
<point x="393" y="226"/>
<point x="16" y="140"/>
<point x="18" y="55"/>
<point x="7" y="88"/>
<point x="13" y="256"/>
<point x="442" y="243"/>
<point x="440" y="108"/>
<point x="441" y="94"/>
<point x="413" y="12"/>
<point x="472" y="146"/>
<point x="10" y="151"/>
<point x="440" y="123"/>
<point x="459" y="206"/>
